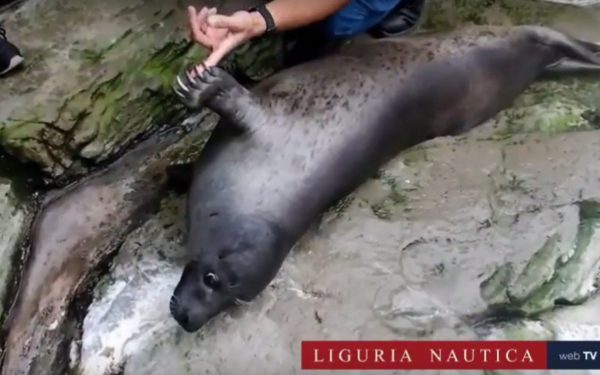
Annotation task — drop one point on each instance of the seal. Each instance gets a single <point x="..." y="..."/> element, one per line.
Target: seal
<point x="302" y="139"/>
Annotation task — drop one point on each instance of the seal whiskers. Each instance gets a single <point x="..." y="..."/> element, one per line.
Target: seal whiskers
<point x="241" y="302"/>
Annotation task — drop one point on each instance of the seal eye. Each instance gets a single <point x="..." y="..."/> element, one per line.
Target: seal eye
<point x="211" y="280"/>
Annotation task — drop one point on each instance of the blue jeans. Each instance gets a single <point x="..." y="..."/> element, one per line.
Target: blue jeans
<point x="357" y="17"/>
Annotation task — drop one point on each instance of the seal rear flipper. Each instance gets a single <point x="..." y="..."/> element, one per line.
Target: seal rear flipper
<point x="592" y="46"/>
<point x="179" y="177"/>
<point x="569" y="47"/>
<point x="220" y="92"/>
<point x="569" y="68"/>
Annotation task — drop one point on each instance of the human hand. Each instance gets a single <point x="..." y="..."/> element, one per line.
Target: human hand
<point x="221" y="34"/>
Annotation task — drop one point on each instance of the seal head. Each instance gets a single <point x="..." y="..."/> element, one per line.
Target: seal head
<point x="249" y="250"/>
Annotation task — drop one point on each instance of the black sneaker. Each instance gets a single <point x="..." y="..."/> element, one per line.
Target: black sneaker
<point x="402" y="20"/>
<point x="10" y="56"/>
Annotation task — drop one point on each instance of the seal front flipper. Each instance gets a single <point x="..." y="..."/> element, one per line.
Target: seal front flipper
<point x="218" y="90"/>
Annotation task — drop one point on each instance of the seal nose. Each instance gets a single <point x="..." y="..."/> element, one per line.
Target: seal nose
<point x="183" y="320"/>
<point x="180" y="314"/>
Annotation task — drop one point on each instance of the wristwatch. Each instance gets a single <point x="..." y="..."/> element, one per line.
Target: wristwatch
<point x="264" y="12"/>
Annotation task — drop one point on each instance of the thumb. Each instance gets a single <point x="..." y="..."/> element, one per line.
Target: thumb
<point x="224" y="48"/>
<point x="233" y="23"/>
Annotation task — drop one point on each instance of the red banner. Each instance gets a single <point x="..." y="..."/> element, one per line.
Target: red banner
<point x="424" y="355"/>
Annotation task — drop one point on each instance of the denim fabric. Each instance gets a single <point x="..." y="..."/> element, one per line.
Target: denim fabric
<point x="357" y="17"/>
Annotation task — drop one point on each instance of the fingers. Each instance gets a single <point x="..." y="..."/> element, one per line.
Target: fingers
<point x="224" y="48"/>
<point x="203" y="19"/>
<point x="198" y="69"/>
<point x="194" y="24"/>
<point x="212" y="12"/>
<point x="197" y="24"/>
<point x="204" y="25"/>
<point x="185" y="82"/>
<point x="191" y="76"/>
<point x="233" y="23"/>
<point x="195" y="72"/>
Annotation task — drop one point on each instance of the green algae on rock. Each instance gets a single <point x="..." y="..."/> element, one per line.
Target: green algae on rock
<point x="554" y="275"/>
<point x="385" y="207"/>
<point x="552" y="107"/>
<point x="446" y="14"/>
<point x="103" y="83"/>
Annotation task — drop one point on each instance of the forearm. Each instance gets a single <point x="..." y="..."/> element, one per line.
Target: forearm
<point x="291" y="14"/>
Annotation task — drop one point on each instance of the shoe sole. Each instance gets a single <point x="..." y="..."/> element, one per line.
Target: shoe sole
<point x="14" y="62"/>
<point x="411" y="29"/>
<point x="405" y="32"/>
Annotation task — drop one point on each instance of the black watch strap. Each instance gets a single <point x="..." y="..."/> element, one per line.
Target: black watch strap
<point x="264" y="12"/>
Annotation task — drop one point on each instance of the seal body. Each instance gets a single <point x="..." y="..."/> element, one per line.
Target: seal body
<point x="309" y="135"/>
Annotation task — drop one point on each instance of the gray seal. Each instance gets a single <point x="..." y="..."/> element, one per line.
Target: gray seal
<point x="304" y="138"/>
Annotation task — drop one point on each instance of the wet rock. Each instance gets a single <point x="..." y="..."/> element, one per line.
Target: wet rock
<point x="568" y="323"/>
<point x="554" y="275"/>
<point x="141" y="277"/>
<point x="74" y="236"/>
<point x="98" y="76"/>
<point x="471" y="206"/>
<point x="578" y="322"/>
<point x="14" y="220"/>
